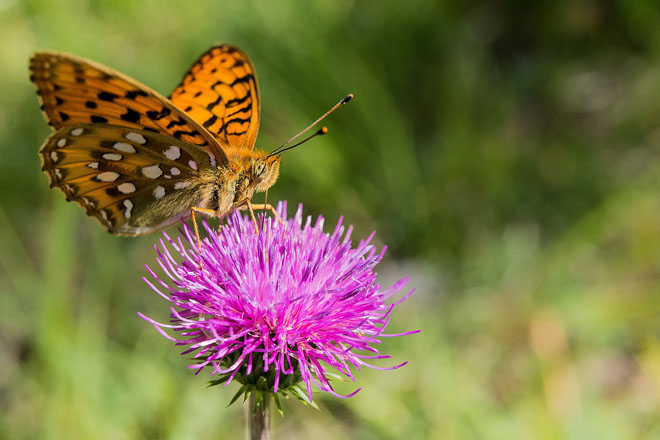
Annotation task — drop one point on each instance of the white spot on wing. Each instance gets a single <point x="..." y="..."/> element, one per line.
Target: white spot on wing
<point x="159" y="192"/>
<point x="124" y="147"/>
<point x="93" y="165"/>
<point x="77" y="131"/>
<point x="212" y="159"/>
<point x="126" y="188"/>
<point x="192" y="164"/>
<point x="136" y="137"/>
<point x="181" y="185"/>
<point x="53" y="156"/>
<point x="57" y="173"/>
<point x="152" y="172"/>
<point x="172" y="153"/>
<point x="175" y="171"/>
<point x="112" y="156"/>
<point x="108" y="176"/>
<point x="128" y="205"/>
<point x="103" y="215"/>
<point x="61" y="142"/>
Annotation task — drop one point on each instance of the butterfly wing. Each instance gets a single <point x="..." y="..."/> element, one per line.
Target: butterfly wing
<point x="132" y="180"/>
<point x="73" y="90"/>
<point x="220" y="92"/>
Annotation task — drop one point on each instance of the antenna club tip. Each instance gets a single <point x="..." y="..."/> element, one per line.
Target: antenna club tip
<point x="347" y="98"/>
<point x="323" y="130"/>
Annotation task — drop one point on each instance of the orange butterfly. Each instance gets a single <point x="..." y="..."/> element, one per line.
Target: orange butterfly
<point x="137" y="161"/>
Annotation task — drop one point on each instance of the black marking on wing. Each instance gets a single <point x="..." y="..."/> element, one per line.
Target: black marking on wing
<point x="177" y="134"/>
<point x="237" y="101"/>
<point x="107" y="96"/>
<point x="132" y="94"/>
<point x="211" y="105"/>
<point x="131" y="116"/>
<point x="239" y="110"/>
<point x="155" y="115"/>
<point x="210" y="121"/>
<point x="179" y="121"/>
<point x="238" y="120"/>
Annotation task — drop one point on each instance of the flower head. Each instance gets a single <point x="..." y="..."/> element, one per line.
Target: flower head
<point x="277" y="307"/>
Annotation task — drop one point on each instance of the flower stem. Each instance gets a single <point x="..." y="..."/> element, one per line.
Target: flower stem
<point x="257" y="419"/>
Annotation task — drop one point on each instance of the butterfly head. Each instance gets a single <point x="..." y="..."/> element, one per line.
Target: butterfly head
<point x="264" y="171"/>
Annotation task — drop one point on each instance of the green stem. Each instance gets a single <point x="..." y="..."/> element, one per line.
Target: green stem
<point x="257" y="419"/>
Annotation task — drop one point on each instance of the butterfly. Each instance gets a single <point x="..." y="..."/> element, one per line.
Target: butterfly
<point x="137" y="161"/>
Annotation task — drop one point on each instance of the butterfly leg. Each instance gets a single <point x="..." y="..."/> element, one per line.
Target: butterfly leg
<point x="210" y="213"/>
<point x="254" y="219"/>
<point x="245" y="204"/>
<point x="266" y="206"/>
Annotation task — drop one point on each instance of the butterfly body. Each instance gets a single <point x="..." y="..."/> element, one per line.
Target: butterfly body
<point x="138" y="161"/>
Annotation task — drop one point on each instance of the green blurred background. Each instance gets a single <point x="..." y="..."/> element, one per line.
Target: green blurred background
<point x="507" y="155"/>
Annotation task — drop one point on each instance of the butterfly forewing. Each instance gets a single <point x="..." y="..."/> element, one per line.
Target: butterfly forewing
<point x="77" y="91"/>
<point x="220" y="92"/>
<point x="134" y="181"/>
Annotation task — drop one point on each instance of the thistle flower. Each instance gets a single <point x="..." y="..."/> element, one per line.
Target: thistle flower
<point x="275" y="309"/>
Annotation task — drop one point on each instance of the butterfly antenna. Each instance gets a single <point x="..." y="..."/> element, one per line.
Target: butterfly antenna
<point x="281" y="148"/>
<point x="320" y="132"/>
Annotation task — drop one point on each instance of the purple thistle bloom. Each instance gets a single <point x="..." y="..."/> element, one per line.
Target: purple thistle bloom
<point x="274" y="308"/>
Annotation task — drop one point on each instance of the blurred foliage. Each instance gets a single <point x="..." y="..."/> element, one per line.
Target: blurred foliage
<point x="505" y="153"/>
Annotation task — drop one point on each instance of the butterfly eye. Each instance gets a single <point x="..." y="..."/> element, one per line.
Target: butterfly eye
<point x="259" y="168"/>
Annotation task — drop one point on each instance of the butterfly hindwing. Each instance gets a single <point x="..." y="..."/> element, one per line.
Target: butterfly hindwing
<point x="73" y="90"/>
<point x="220" y="92"/>
<point x="134" y="181"/>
